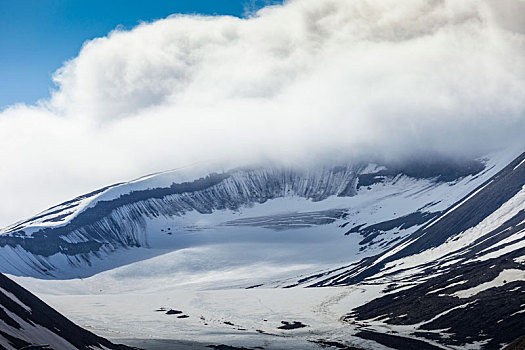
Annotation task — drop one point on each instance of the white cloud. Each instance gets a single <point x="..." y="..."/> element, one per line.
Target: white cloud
<point x="302" y="80"/>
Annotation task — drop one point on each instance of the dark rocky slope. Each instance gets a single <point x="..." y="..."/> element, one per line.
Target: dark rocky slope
<point x="459" y="279"/>
<point x="26" y="320"/>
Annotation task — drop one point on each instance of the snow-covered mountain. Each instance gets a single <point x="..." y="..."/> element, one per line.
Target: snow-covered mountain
<point x="424" y="255"/>
<point x="380" y="203"/>
<point x="26" y="322"/>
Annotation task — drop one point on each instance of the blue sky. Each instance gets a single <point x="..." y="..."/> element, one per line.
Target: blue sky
<point x="37" y="36"/>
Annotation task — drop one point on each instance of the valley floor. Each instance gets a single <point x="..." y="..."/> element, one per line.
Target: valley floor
<point x="157" y="310"/>
<point x="119" y="305"/>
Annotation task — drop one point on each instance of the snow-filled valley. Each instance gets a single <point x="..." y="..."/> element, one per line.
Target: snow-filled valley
<point x="233" y="258"/>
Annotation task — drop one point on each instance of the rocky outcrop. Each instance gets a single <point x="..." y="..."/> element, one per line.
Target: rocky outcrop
<point x="27" y="321"/>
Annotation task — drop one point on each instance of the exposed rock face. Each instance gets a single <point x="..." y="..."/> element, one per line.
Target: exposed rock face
<point x="517" y="344"/>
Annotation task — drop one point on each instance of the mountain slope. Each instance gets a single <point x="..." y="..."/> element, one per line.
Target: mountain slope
<point x="26" y="320"/>
<point x="408" y="259"/>
<point x="458" y="280"/>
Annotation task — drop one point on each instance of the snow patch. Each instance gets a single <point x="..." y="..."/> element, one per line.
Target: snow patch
<point x="505" y="276"/>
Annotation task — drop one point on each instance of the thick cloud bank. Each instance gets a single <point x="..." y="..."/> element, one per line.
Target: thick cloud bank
<point x="309" y="79"/>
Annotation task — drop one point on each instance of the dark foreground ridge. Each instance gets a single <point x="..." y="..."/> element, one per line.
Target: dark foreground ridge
<point x="22" y="313"/>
